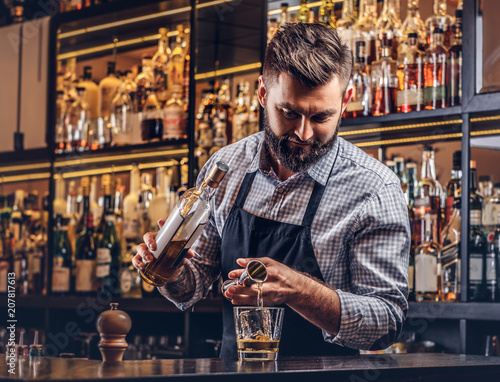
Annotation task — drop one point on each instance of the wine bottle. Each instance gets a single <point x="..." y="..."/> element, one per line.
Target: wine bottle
<point x="182" y="228"/>
<point x="86" y="253"/>
<point x="62" y="261"/>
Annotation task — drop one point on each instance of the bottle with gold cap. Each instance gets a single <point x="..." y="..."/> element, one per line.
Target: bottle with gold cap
<point x="182" y="227"/>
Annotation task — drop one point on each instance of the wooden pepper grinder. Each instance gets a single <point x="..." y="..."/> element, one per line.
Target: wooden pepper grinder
<point x="113" y="325"/>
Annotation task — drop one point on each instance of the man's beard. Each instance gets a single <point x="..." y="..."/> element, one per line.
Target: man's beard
<point x="296" y="159"/>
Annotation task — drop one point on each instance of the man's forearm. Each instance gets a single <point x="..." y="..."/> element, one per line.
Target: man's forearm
<point x="182" y="288"/>
<point x="317" y="303"/>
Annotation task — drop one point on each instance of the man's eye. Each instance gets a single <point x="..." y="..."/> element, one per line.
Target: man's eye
<point x="288" y="113"/>
<point x="321" y="119"/>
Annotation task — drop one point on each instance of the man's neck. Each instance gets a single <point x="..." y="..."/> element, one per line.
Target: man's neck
<point x="281" y="172"/>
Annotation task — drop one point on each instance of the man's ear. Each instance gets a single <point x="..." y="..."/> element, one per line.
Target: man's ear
<point x="347" y="97"/>
<point x="262" y="91"/>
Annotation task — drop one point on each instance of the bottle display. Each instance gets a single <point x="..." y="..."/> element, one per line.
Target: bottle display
<point x="385" y="81"/>
<point x="365" y="29"/>
<point x="410" y="95"/>
<point x="360" y="82"/>
<point x="435" y="72"/>
<point x="182" y="228"/>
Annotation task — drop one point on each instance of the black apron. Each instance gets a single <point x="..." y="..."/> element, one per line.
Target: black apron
<point x="246" y="235"/>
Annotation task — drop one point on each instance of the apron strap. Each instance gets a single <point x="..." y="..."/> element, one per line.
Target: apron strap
<point x="245" y="187"/>
<point x="313" y="204"/>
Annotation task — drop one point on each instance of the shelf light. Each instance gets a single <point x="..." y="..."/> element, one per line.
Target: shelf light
<point x="224" y="72"/>
<point x="408" y="140"/>
<point x="115" y="169"/>
<point x="297" y="7"/>
<point x="24" y="177"/>
<point x="133" y="20"/>
<point x="141" y="155"/>
<point x="400" y="127"/>
<point x="23" y="167"/>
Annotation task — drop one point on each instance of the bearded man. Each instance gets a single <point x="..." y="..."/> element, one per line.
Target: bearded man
<point x="329" y="222"/>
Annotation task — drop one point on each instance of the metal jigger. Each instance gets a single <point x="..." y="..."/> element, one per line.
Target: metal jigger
<point x="255" y="272"/>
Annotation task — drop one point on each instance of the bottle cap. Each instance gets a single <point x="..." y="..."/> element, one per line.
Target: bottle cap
<point x="457" y="159"/>
<point x="412" y="35"/>
<point x="284" y="4"/>
<point x="216" y="174"/>
<point x="472" y="164"/>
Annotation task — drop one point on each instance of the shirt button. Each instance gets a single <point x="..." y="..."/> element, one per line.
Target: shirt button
<point x="280" y="190"/>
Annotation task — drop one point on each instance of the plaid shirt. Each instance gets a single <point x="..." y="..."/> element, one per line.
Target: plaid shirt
<point x="360" y="234"/>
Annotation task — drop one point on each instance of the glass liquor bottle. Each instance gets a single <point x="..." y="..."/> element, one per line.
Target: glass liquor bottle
<point x="121" y="116"/>
<point x="385" y="81"/>
<point x="455" y="62"/>
<point x="131" y="208"/>
<point x="182" y="228"/>
<point x="491" y="258"/>
<point x="410" y="96"/>
<point x="158" y="205"/>
<point x="326" y="14"/>
<point x="345" y="25"/>
<point x="108" y="87"/>
<point x="364" y="29"/>
<point x="427" y="199"/>
<point x="108" y="250"/>
<point x="241" y="112"/>
<point x="360" y="81"/>
<point x="59" y="204"/>
<point x="303" y="13"/>
<point x="61" y="123"/>
<point x="253" y="116"/>
<point x="145" y="79"/>
<point x="95" y="208"/>
<point x="454" y="186"/>
<point x="91" y="91"/>
<point x="130" y="281"/>
<point x="450" y="256"/>
<point x="413" y="24"/>
<point x="71" y="213"/>
<point x="106" y="203"/>
<point x="152" y="122"/>
<point x="428" y="264"/>
<point x="439" y="19"/>
<point x="284" y="14"/>
<point x="174" y="126"/>
<point x="162" y="66"/>
<point x="85" y="259"/>
<point x="223" y="117"/>
<point x="79" y="119"/>
<point x="62" y="266"/>
<point x="491" y="209"/>
<point x="388" y="27"/>
<point x="477" y="241"/>
<point x="145" y="195"/>
<point x="435" y="71"/>
<point x="411" y="174"/>
<point x="177" y="58"/>
<point x="85" y="205"/>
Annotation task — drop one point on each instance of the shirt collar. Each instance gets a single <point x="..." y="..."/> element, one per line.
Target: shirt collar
<point x="320" y="171"/>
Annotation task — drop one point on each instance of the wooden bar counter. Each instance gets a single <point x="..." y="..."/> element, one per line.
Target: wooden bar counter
<point x="386" y="367"/>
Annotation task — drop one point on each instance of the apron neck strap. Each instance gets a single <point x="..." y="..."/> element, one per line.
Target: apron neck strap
<point x="245" y="187"/>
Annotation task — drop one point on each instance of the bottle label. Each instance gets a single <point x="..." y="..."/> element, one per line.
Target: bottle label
<point x="4" y="269"/>
<point x="475" y="217"/>
<point x="188" y="245"/>
<point x="18" y="266"/>
<point x="426" y="273"/>
<point x="167" y="232"/>
<point x="173" y="122"/>
<point x="432" y="93"/>
<point x="35" y="264"/>
<point x="130" y="229"/>
<point x="60" y="279"/>
<point x="409" y="97"/>
<point x="491" y="273"/>
<point x="85" y="276"/>
<point x="103" y="255"/>
<point x="490" y="214"/>
<point x="475" y="268"/>
<point x="102" y="270"/>
<point x="126" y="281"/>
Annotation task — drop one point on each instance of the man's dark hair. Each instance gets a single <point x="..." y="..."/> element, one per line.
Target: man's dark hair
<point x="309" y="53"/>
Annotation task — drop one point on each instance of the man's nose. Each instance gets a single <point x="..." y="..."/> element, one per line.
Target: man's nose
<point x="304" y="131"/>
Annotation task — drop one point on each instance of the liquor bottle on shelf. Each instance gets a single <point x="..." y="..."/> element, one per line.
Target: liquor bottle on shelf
<point x="364" y="29"/>
<point x="61" y="138"/>
<point x="410" y="95"/>
<point x="182" y="227"/>
<point x="427" y="199"/>
<point x="428" y="264"/>
<point x="326" y="14"/>
<point x="108" y="87"/>
<point x="85" y="259"/>
<point x="131" y="208"/>
<point x="240" y="116"/>
<point x="385" y="81"/>
<point x="145" y="195"/>
<point x="95" y="209"/>
<point x="413" y="24"/>
<point x="450" y="255"/>
<point x="345" y="25"/>
<point x="253" y="116"/>
<point x="435" y="71"/>
<point x="130" y="281"/>
<point x="285" y="17"/>
<point x="411" y="174"/>
<point x="477" y="241"/>
<point x="62" y="265"/>
<point x="361" y="100"/>
<point x="174" y="126"/>
<point x="303" y="13"/>
<point x="108" y="249"/>
<point x="107" y="204"/>
<point x="455" y="63"/>
<point x="205" y="115"/>
<point x="158" y="207"/>
<point x="223" y="117"/>
<point x="145" y="79"/>
<point x="79" y="120"/>
<point x="121" y="117"/>
<point x="162" y="66"/>
<point x="439" y="19"/>
<point x="85" y="205"/>
<point x="454" y="186"/>
<point x="177" y="59"/>
<point x="400" y="172"/>
<point x="69" y="78"/>
<point x="152" y="121"/>
<point x="59" y="204"/>
<point x="491" y="258"/>
<point x="72" y="215"/>
<point x="91" y="95"/>
<point x="388" y="28"/>
<point x="491" y="209"/>
<point x="119" y="190"/>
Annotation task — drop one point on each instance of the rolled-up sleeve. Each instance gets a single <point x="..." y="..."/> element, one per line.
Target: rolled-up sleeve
<point x="374" y="309"/>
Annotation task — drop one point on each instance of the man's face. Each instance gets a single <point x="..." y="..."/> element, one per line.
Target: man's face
<point x="301" y="124"/>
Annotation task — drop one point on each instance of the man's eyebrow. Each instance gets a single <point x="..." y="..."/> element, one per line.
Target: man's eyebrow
<point x="323" y="113"/>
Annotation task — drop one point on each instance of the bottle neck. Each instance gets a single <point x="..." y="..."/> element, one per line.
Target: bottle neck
<point x="440" y="7"/>
<point x="473" y="181"/>
<point x="437" y="39"/>
<point x="428" y="166"/>
<point x="134" y="181"/>
<point x="347" y="8"/>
